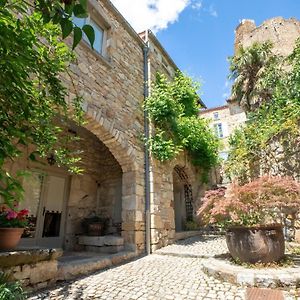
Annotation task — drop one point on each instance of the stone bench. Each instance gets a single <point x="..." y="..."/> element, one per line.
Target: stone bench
<point x="102" y="244"/>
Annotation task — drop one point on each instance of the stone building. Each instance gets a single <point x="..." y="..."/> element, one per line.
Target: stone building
<point x="113" y="79"/>
<point x="281" y="32"/>
<point x="224" y="120"/>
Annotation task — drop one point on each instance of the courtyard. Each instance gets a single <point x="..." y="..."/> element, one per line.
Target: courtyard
<point x="173" y="272"/>
<point x="121" y="177"/>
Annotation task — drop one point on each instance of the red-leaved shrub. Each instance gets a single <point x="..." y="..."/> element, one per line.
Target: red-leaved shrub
<point x="257" y="202"/>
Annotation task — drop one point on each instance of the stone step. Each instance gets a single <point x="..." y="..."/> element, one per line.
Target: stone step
<point x="102" y="244"/>
<point x="72" y="265"/>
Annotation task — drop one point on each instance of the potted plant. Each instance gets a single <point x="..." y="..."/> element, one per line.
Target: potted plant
<point x="12" y="224"/>
<point x="95" y="225"/>
<point x="252" y="214"/>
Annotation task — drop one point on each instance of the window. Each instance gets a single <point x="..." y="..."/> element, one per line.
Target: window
<point x="99" y="32"/>
<point x="218" y="130"/>
<point x="224" y="155"/>
<point x="216" y="116"/>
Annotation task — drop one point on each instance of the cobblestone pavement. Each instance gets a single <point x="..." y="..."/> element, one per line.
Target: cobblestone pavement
<point x="206" y="246"/>
<point x="154" y="277"/>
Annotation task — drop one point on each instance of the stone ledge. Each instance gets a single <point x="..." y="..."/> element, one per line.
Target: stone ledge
<point x="269" y="277"/>
<point x="99" y="241"/>
<point x="31" y="256"/>
<point x="181" y="235"/>
<point x="74" y="266"/>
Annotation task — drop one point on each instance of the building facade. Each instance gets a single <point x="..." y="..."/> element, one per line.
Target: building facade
<point x="223" y="121"/>
<point x="111" y="79"/>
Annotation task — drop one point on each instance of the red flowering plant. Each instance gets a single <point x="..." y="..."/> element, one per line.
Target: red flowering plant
<point x="258" y="202"/>
<point x="13" y="217"/>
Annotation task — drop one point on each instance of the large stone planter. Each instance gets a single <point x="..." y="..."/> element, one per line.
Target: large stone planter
<point x="263" y="243"/>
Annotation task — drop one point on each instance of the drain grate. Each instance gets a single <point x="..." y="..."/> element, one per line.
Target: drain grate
<point x="263" y="294"/>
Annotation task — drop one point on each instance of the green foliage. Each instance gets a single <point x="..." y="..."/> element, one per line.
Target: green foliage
<point x="173" y="108"/>
<point x="196" y="137"/>
<point x="60" y="12"/>
<point x="277" y="118"/>
<point x="255" y="71"/>
<point x="33" y="108"/>
<point x="10" y="290"/>
<point x="191" y="225"/>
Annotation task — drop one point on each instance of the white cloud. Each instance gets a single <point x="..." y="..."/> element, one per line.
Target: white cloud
<point x="196" y="4"/>
<point x="151" y="14"/>
<point x="212" y="11"/>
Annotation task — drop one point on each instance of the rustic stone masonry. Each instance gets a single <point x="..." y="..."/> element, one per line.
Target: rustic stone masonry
<point x="281" y="32"/>
<point x="113" y="184"/>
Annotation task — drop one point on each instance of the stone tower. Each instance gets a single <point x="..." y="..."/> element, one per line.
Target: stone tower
<point x="281" y="32"/>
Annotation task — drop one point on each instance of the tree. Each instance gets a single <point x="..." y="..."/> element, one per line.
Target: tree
<point x="273" y="125"/>
<point x="255" y="71"/>
<point x="33" y="106"/>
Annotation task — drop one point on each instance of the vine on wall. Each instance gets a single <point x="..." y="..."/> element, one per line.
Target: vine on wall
<point x="173" y="109"/>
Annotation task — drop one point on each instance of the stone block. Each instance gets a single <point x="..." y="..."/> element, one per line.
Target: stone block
<point x="91" y="240"/>
<point x="245" y="278"/>
<point x="140" y="237"/>
<point x="111" y="240"/>
<point x="43" y="271"/>
<point x="105" y="249"/>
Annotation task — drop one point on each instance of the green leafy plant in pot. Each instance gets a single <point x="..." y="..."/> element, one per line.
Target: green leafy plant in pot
<point x="251" y="214"/>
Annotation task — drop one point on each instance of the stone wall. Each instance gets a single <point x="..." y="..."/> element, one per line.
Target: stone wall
<point x="35" y="269"/>
<point x="281" y="32"/>
<point x="98" y="191"/>
<point x="112" y="86"/>
<point x="161" y="186"/>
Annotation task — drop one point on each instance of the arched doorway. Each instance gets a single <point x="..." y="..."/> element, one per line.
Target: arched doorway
<point x="183" y="198"/>
<point x="107" y="188"/>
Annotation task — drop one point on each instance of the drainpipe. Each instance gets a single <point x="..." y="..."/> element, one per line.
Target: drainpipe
<point x="147" y="157"/>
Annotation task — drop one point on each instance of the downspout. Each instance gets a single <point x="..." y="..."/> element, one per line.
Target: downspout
<point x="147" y="157"/>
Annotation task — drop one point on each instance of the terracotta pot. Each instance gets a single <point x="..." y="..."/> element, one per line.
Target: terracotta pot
<point x="10" y="237"/>
<point x="256" y="244"/>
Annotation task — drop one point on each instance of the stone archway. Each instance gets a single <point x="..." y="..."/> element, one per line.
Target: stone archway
<point x="183" y="198"/>
<point x="131" y="162"/>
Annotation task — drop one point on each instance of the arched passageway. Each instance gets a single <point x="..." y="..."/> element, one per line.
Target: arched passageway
<point x="183" y="197"/>
<point x="58" y="201"/>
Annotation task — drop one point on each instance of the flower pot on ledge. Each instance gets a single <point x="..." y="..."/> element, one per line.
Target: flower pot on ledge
<point x="262" y="243"/>
<point x="10" y="238"/>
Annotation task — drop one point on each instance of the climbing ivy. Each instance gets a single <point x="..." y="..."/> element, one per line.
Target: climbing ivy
<point x="33" y="99"/>
<point x="278" y="118"/>
<point x="173" y="109"/>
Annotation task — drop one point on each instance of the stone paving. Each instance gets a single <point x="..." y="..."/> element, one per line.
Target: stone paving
<point x="156" y="276"/>
<point x="204" y="246"/>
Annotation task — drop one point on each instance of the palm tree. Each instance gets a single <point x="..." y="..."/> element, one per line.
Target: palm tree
<point x="254" y="70"/>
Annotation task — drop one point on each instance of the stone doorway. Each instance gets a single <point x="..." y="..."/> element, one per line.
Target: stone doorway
<point x="45" y="197"/>
<point x="97" y="192"/>
<point x="183" y="197"/>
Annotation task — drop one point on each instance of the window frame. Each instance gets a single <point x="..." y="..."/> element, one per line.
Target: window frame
<point x="89" y="21"/>
<point x="216" y="116"/>
<point x="218" y="129"/>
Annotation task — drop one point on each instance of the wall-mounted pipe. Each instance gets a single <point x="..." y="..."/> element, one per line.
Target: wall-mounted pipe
<point x="147" y="157"/>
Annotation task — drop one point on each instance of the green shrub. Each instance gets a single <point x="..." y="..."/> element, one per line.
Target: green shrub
<point x="10" y="290"/>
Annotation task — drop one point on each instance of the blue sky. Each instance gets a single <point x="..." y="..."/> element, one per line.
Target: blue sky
<point x="199" y="34"/>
